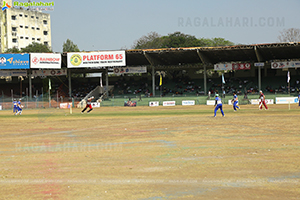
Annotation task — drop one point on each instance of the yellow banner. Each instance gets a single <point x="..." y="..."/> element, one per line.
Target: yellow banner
<point x="160" y="81"/>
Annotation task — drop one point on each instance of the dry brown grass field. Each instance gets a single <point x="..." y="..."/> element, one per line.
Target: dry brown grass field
<point x="147" y="153"/>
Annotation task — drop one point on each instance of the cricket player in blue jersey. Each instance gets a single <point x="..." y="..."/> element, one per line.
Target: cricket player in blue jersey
<point x="19" y="107"/>
<point x="235" y="101"/>
<point x="218" y="105"/>
<point x="15" y="103"/>
<point x="299" y="98"/>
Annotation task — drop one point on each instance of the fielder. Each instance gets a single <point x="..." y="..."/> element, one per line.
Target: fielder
<point x="262" y="101"/>
<point x="235" y="102"/>
<point x="15" y="103"/>
<point x="19" y="107"/>
<point x="218" y="105"/>
<point x="88" y="105"/>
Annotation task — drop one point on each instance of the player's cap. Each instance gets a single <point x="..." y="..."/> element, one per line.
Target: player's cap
<point x="216" y="95"/>
<point x="20" y="99"/>
<point x="260" y="91"/>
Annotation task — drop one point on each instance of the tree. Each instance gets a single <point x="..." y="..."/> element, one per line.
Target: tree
<point x="221" y="42"/>
<point x="36" y="48"/>
<point x="289" y="35"/>
<point x="150" y="41"/>
<point x="13" y="50"/>
<point x="177" y="39"/>
<point x="69" y="46"/>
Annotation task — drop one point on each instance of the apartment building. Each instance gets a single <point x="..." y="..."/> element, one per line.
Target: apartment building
<point x="20" y="27"/>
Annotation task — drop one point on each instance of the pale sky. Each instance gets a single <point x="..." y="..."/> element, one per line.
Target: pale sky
<point x="116" y="24"/>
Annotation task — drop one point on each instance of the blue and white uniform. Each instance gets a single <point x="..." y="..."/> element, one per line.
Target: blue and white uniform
<point x="19" y="108"/>
<point x="299" y="98"/>
<point x="15" y="103"/>
<point x="218" y="105"/>
<point x="235" y="102"/>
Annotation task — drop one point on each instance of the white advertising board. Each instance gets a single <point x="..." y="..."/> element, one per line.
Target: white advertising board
<point x="256" y="101"/>
<point x="45" y="61"/>
<point x="65" y="105"/>
<point x="169" y="103"/>
<point x="96" y="59"/>
<point x="286" y="100"/>
<point x="188" y="103"/>
<point x="210" y="102"/>
<point x="130" y="70"/>
<point x="153" y="103"/>
<point x="259" y="64"/>
<point x="285" y="64"/>
<point x="13" y="73"/>
<point x="96" y="105"/>
<point x="49" y="72"/>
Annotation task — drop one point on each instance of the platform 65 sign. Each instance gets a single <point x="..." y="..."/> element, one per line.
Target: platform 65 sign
<point x="96" y="59"/>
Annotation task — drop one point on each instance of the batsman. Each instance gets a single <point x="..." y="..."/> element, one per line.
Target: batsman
<point x="262" y="101"/>
<point x="88" y="105"/>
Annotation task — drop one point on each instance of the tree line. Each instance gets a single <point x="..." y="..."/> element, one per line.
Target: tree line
<point x="155" y="41"/>
<point x="177" y="39"/>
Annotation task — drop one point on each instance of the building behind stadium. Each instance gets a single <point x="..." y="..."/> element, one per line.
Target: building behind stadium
<point x="21" y="26"/>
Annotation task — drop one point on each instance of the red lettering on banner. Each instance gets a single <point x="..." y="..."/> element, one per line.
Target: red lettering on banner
<point x="49" y="59"/>
<point x="119" y="56"/>
<point x="102" y="57"/>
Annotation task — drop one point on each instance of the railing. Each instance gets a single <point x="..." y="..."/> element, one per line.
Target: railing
<point x="43" y="101"/>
